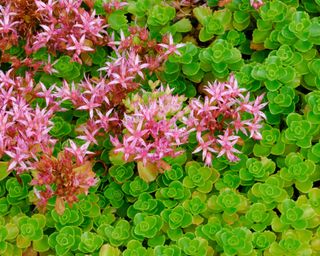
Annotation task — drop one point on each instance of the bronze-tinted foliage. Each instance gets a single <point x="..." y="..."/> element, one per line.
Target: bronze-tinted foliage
<point x="27" y="15"/>
<point x="68" y="178"/>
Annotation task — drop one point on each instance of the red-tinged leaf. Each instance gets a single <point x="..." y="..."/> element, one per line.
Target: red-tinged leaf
<point x="148" y="172"/>
<point x="4" y="170"/>
<point x="60" y="205"/>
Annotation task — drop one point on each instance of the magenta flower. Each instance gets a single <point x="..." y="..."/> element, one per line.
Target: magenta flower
<point x="89" y="131"/>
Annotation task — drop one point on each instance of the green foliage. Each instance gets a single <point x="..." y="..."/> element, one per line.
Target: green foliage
<point x="200" y="178"/>
<point x="195" y="206"/>
<point x="209" y="230"/>
<point x="67" y="239"/>
<point x="16" y="190"/>
<point x="271" y="191"/>
<point x="67" y="69"/>
<point x="90" y="242"/>
<point x="195" y="246"/>
<point x="61" y="127"/>
<point x="31" y="228"/>
<point x="271" y="143"/>
<point x="228" y="201"/>
<point x="313" y="112"/>
<point x="259" y="217"/>
<point x="121" y="173"/>
<point x="146" y="203"/>
<point x="167" y="250"/>
<point x="177" y="217"/>
<point x="236" y="241"/>
<point x="70" y="216"/>
<point x="147" y="225"/>
<point x="292" y="242"/>
<point x="160" y="15"/>
<point x="3" y="170"/>
<point x="114" y="194"/>
<point x="291" y="214"/>
<point x="299" y="131"/>
<point x="116" y="234"/>
<point x="256" y="170"/>
<point x="135" y="187"/>
<point x="263" y="240"/>
<point x="298" y="172"/>
<point x="117" y="20"/>
<point x="220" y="58"/>
<point x="135" y="248"/>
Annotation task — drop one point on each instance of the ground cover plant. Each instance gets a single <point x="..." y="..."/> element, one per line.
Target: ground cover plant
<point x="159" y="128"/>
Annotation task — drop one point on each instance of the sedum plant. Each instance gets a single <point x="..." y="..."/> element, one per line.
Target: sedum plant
<point x="161" y="128"/>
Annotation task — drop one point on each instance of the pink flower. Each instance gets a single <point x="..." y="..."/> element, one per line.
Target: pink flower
<point x="91" y="24"/>
<point x="105" y="120"/>
<point x="90" y="131"/>
<point x="79" y="152"/>
<point x="45" y="7"/>
<point x="220" y="114"/>
<point x="232" y="88"/>
<point x="79" y="46"/>
<point x="135" y="66"/>
<point x="113" y="5"/>
<point x="89" y="105"/>
<point x="46" y="93"/>
<point x="127" y="149"/>
<point x="254" y="128"/>
<point x="6" y="24"/>
<point x="227" y="143"/>
<point x="48" y="67"/>
<point x="151" y="131"/>
<point x="256" y="3"/>
<point x="5" y="79"/>
<point x="205" y="147"/>
<point x="256" y="107"/>
<point x="17" y="159"/>
<point x="171" y="47"/>
<point x="136" y="134"/>
<point x="70" y="5"/>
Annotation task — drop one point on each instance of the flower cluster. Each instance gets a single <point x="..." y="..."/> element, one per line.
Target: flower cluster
<point x="8" y="27"/>
<point x="151" y="130"/>
<point x="66" y="177"/>
<point x="119" y="76"/>
<point x="220" y="116"/>
<point x="23" y="128"/>
<point x="69" y="28"/>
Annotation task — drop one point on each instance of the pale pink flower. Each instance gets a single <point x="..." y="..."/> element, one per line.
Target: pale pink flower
<point x="171" y="47"/>
<point x="79" y="46"/>
<point x="79" y="152"/>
